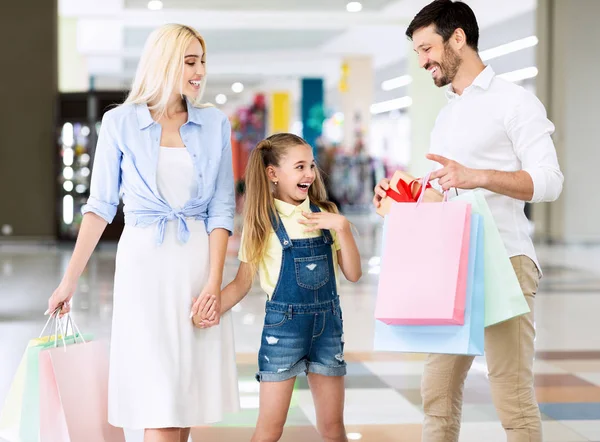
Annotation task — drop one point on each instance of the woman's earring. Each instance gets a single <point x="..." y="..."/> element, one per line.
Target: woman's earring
<point x="275" y="182"/>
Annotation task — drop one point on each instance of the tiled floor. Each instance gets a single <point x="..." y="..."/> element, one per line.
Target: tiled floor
<point x="383" y="401"/>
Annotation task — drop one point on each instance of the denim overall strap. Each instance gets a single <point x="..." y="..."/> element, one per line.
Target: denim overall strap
<point x="280" y="231"/>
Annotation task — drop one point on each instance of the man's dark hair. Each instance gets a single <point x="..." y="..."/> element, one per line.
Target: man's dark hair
<point x="447" y="16"/>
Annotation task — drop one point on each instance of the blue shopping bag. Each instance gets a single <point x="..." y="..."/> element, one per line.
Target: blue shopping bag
<point x="467" y="339"/>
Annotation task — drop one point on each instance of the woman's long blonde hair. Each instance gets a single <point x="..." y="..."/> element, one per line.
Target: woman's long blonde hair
<point x="161" y="66"/>
<point x="260" y="204"/>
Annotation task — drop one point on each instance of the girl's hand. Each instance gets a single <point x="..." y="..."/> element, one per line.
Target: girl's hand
<point x="324" y="221"/>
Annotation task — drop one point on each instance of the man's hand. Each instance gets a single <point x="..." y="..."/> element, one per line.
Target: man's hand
<point x="454" y="174"/>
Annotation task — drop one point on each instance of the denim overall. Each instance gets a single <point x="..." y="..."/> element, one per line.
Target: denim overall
<point x="303" y="330"/>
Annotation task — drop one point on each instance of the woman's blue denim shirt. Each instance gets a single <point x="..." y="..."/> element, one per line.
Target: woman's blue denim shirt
<point x="125" y="163"/>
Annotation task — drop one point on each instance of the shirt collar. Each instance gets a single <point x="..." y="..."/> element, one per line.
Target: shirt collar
<point x="287" y="209"/>
<point x="194" y="113"/>
<point x="145" y="118"/>
<point x="482" y="81"/>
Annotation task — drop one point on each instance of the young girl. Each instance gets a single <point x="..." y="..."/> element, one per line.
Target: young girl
<point x="296" y="239"/>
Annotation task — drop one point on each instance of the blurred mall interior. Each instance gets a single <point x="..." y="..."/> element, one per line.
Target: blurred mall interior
<point x="344" y="76"/>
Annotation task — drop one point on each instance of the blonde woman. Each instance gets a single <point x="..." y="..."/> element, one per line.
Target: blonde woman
<point x="170" y="159"/>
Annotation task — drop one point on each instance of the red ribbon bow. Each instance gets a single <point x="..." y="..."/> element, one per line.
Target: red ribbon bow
<point x="405" y="192"/>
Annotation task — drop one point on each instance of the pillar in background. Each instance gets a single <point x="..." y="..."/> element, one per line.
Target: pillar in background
<point x="28" y="44"/>
<point x="356" y="88"/>
<point x="566" y="84"/>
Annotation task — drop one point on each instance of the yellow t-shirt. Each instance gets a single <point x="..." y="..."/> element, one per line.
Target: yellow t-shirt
<point x="268" y="269"/>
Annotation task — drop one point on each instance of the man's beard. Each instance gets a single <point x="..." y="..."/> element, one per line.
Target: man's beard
<point x="449" y="66"/>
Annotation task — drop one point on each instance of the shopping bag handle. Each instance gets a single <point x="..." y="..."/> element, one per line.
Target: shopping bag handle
<point x="412" y="184"/>
<point x="424" y="185"/>
<point x="53" y="315"/>
<point x="64" y="331"/>
<point x="58" y="326"/>
<point x="74" y="329"/>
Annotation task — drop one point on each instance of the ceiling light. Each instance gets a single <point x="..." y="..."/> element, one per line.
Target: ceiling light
<point x="397" y="82"/>
<point x="68" y="135"/>
<point x="354" y="7"/>
<point x="68" y="186"/>
<point x="68" y="173"/>
<point x="221" y="99"/>
<point x="155" y="5"/>
<point x="68" y="209"/>
<point x="237" y="87"/>
<point x="68" y="155"/>
<point x="390" y="105"/>
<point x="520" y="74"/>
<point x="509" y="48"/>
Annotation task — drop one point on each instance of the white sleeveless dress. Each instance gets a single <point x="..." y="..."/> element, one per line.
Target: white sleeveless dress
<point x="164" y="372"/>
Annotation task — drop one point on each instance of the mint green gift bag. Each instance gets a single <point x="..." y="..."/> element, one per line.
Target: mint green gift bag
<point x="504" y="298"/>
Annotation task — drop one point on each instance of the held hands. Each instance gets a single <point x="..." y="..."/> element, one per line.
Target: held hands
<point x="206" y="308"/>
<point x="324" y="221"/>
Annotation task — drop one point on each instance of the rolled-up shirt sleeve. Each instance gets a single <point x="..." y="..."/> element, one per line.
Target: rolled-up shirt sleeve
<point x="530" y="132"/>
<point x="106" y="174"/>
<point x="221" y="208"/>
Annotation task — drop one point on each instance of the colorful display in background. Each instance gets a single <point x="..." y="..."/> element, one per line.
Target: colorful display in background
<point x="279" y="112"/>
<point x="312" y="110"/>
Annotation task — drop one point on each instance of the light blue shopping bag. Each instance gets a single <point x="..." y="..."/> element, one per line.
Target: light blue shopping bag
<point x="467" y="339"/>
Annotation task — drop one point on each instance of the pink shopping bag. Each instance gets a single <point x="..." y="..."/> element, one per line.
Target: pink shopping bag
<point x="424" y="265"/>
<point x="74" y="395"/>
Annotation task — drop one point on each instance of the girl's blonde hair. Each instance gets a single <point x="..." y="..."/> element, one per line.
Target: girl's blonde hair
<point x="161" y="67"/>
<point x="260" y="205"/>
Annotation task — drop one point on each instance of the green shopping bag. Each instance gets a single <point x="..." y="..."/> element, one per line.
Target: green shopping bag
<point x="503" y="294"/>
